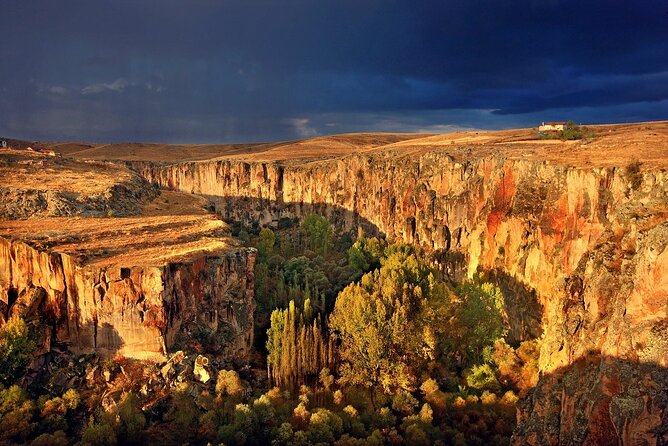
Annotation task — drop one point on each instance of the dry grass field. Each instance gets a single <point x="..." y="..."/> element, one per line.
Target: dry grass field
<point x="174" y="227"/>
<point x="613" y="145"/>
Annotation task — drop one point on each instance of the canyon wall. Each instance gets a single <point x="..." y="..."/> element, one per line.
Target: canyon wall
<point x="581" y="254"/>
<point x="133" y="311"/>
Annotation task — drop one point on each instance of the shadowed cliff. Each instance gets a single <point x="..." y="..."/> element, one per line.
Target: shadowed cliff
<point x="523" y="308"/>
<point x="583" y="250"/>
<point x="597" y="400"/>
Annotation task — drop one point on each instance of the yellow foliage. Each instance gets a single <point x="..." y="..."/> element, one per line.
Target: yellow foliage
<point x="459" y="402"/>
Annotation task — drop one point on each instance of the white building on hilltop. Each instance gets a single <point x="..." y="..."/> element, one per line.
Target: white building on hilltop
<point x="551" y="126"/>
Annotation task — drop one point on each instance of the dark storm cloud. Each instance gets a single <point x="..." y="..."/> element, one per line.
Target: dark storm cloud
<point x="207" y="71"/>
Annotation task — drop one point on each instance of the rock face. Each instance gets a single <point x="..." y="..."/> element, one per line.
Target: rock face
<point x="581" y="254"/>
<point x="37" y="185"/>
<point x="135" y="312"/>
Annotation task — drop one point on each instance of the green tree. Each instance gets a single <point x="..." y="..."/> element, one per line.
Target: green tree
<point x="389" y="323"/>
<point x="131" y="421"/>
<point x="324" y="426"/>
<point x="16" y="348"/>
<point x="482" y="377"/>
<point x="479" y="321"/>
<point x="571" y="131"/>
<point x="298" y="348"/>
<point x="318" y="232"/>
<point x="99" y="434"/>
<point x="265" y="246"/>
<point x="365" y="254"/>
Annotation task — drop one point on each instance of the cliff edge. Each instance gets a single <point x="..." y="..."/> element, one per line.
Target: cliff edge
<point x="575" y="232"/>
<point x="121" y="287"/>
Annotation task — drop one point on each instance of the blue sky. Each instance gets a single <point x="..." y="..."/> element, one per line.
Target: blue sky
<point x="206" y="71"/>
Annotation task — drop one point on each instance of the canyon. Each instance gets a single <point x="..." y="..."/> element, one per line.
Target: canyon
<point x="121" y="287"/>
<point x="580" y="249"/>
<point x="575" y="233"/>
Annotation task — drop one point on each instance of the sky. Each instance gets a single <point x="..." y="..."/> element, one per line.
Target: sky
<point x="205" y="71"/>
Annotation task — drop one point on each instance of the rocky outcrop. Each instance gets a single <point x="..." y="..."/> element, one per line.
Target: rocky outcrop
<point x="581" y="253"/>
<point x="119" y="200"/>
<point x="36" y="185"/>
<point x="134" y="312"/>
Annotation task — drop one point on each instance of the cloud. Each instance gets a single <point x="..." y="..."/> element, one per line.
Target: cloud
<point x="58" y="90"/>
<point x="175" y="71"/>
<point x="301" y="127"/>
<point x="154" y="88"/>
<point x="119" y="86"/>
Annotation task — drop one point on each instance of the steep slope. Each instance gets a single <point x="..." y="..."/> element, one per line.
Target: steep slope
<point x="36" y="185"/>
<point x="123" y="287"/>
<point x="580" y="247"/>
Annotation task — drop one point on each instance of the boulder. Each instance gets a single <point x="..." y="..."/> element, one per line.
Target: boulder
<point x="200" y="371"/>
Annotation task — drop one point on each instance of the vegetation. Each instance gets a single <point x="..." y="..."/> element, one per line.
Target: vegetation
<point x="16" y="347"/>
<point x="297" y="347"/>
<point x="633" y="174"/>
<point x="571" y="131"/>
<point x="299" y="263"/>
<point x="388" y="324"/>
<point x="366" y="344"/>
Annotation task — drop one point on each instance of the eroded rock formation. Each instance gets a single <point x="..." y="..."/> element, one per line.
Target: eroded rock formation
<point x="134" y="311"/>
<point x="581" y="252"/>
<point x="37" y="185"/>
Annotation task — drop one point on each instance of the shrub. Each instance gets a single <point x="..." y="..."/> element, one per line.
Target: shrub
<point x="404" y="403"/>
<point x="16" y="348"/>
<point x="482" y="377"/>
<point x="633" y="174"/>
<point x="229" y="383"/>
<point x="426" y="413"/>
<point x="99" y="434"/>
<point x="71" y="399"/>
<point x="16" y="412"/>
<point x="509" y="398"/>
<point x="58" y="438"/>
<point x="488" y="398"/>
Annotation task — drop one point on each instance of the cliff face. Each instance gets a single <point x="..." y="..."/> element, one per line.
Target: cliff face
<point x="581" y="254"/>
<point x="134" y="311"/>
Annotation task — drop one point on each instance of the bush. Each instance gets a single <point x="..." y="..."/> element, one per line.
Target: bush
<point x="16" y="412"/>
<point x="71" y="399"/>
<point x="16" y="348"/>
<point x="633" y="174"/>
<point x="229" y="383"/>
<point x="99" y="434"/>
<point x="404" y="403"/>
<point x="58" y="438"/>
<point x="482" y="377"/>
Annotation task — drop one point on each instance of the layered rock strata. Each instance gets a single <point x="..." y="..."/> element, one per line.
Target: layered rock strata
<point x="134" y="311"/>
<point x="129" y="286"/>
<point x="581" y="253"/>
